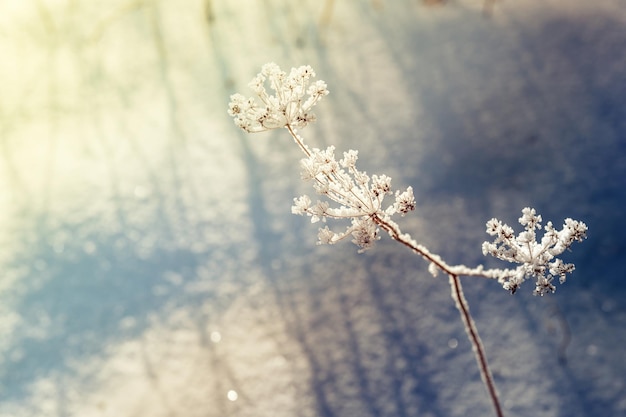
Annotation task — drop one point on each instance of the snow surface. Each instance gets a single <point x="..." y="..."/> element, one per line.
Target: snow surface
<point x="149" y="263"/>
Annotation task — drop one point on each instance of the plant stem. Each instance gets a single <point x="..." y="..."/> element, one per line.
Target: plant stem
<point x="298" y="140"/>
<point x="461" y="305"/>
<point x="477" y="345"/>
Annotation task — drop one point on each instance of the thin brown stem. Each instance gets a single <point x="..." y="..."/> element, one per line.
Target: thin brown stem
<point x="477" y="345"/>
<point x="395" y="234"/>
<point x="461" y="305"/>
<point x="296" y="138"/>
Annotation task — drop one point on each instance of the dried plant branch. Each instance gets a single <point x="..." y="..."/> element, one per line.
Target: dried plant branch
<point x="359" y="198"/>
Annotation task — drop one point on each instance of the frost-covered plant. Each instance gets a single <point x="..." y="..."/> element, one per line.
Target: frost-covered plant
<point x="533" y="256"/>
<point x="350" y="194"/>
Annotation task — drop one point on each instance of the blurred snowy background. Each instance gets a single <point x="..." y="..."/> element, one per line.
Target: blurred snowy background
<point x="149" y="263"/>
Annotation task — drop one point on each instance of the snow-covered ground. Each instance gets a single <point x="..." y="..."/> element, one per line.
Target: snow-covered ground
<point x="149" y="263"/>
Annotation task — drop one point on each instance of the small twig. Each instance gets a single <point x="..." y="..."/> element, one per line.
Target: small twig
<point x="477" y="345"/>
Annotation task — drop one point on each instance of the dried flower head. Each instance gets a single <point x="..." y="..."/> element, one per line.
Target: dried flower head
<point x="359" y="197"/>
<point x="286" y="106"/>
<point x="538" y="259"/>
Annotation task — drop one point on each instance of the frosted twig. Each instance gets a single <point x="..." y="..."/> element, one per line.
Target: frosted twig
<point x="359" y="198"/>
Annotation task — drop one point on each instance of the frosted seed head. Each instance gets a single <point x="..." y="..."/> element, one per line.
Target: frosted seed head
<point x="301" y="205"/>
<point x="349" y="159"/>
<point x="544" y="286"/>
<point x="365" y="233"/>
<point x="405" y="202"/>
<point x="381" y="185"/>
<point x="530" y="219"/>
<point x="537" y="260"/>
<point x="285" y="106"/>
<point x="326" y="236"/>
<point x="494" y="226"/>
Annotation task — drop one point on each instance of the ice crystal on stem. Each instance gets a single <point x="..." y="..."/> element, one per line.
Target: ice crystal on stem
<point x="358" y="198"/>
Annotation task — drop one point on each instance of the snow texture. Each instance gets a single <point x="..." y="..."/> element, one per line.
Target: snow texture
<point x="150" y="264"/>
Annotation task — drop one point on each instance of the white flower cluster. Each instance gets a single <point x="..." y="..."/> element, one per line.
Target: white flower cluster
<point x="538" y="259"/>
<point x="286" y="107"/>
<point x="360" y="197"/>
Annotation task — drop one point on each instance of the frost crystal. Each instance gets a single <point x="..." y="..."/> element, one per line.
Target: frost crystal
<point x="538" y="259"/>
